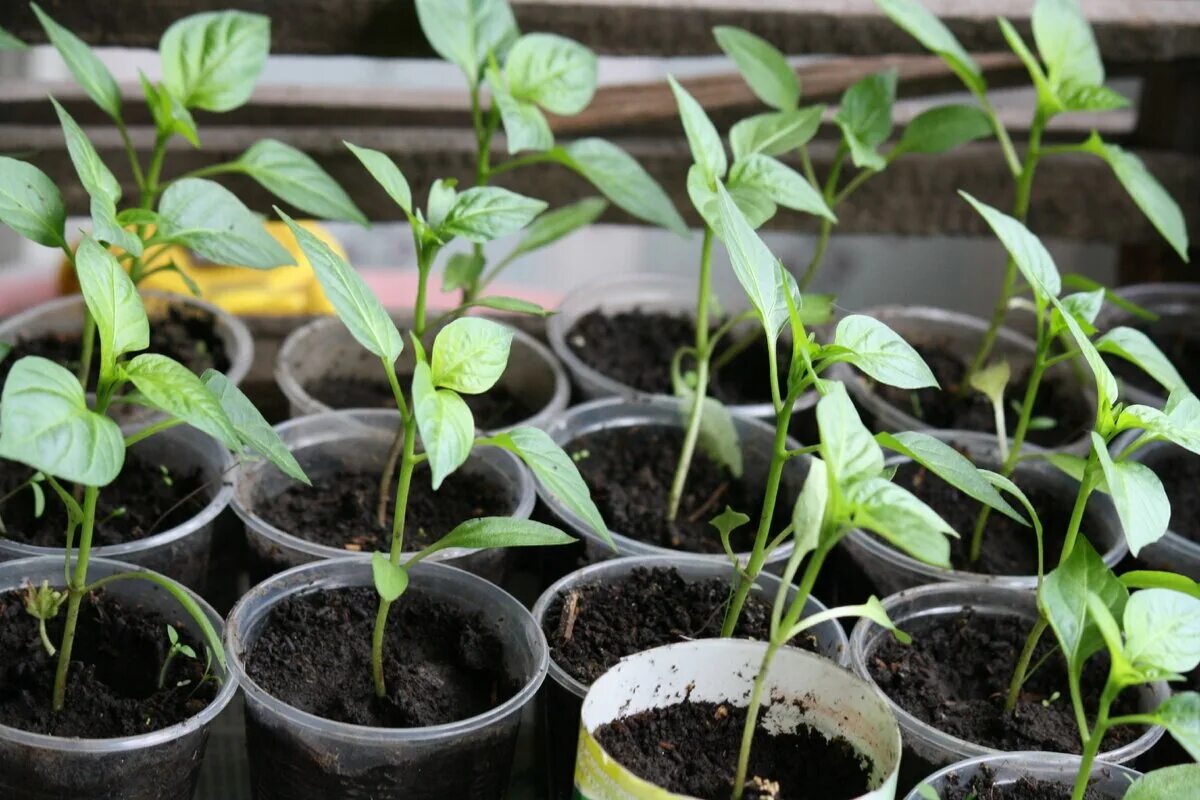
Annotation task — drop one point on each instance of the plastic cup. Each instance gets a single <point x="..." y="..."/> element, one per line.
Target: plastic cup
<point x="1111" y="781"/>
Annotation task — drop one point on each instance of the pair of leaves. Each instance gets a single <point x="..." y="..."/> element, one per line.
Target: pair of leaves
<point x="542" y="71"/>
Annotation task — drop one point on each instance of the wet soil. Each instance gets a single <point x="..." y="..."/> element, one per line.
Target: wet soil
<point x="985" y="787"/>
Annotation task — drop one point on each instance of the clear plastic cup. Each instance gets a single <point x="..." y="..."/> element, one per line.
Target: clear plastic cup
<point x="1110" y="781"/>
<point x="335" y="442"/>
<point x="161" y="765"/>
<point x="927" y="749"/>
<point x="563" y="694"/>
<point x="324" y="347"/>
<point x="295" y="755"/>
<point x="1177" y="306"/>
<point x="1173" y="552"/>
<point x="181" y="552"/>
<point x="756" y="438"/>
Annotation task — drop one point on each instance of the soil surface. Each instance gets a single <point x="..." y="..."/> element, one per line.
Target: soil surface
<point x="185" y="334"/>
<point x="636" y="348"/>
<point x="691" y="748"/>
<point x="496" y="408"/>
<point x="441" y="664"/>
<point x="629" y="472"/>
<point x="1180" y="474"/>
<point x="143" y="501"/>
<point x="112" y="688"/>
<point x="594" y="626"/>
<point x="955" y="676"/>
<point x="342" y="513"/>
<point x="983" y="787"/>
<point x="946" y="408"/>
<point x="1179" y="339"/>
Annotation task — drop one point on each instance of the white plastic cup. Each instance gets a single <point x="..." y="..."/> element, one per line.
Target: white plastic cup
<point x="1111" y="781"/>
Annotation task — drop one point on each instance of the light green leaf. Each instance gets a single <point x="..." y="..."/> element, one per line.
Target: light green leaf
<point x="1047" y="97"/>
<point x="295" y="178"/>
<point x="462" y="271"/>
<point x="775" y="132"/>
<point x="781" y="183"/>
<point x="106" y="228"/>
<point x="1063" y="601"/>
<point x="764" y="68"/>
<point x="98" y="181"/>
<point x="865" y="115"/>
<point x="1078" y="97"/>
<point x="170" y="387"/>
<point x="718" y="433"/>
<point x="208" y="218"/>
<point x="943" y="128"/>
<point x="357" y="306"/>
<point x="557" y="73"/>
<point x="1072" y="465"/>
<point x="445" y="423"/>
<point x="30" y="203"/>
<point x="1106" y="382"/>
<point x="170" y="115"/>
<point x="91" y="73"/>
<point x="1085" y="307"/>
<point x="391" y="580"/>
<point x="879" y="351"/>
<point x="1178" y="422"/>
<point x="386" y="173"/>
<point x="848" y="448"/>
<point x="1138" y="494"/>
<point x="898" y="516"/>
<point x="1155" y="579"/>
<point x="1168" y="783"/>
<point x="809" y="512"/>
<point x="525" y="126"/>
<point x="623" y="181"/>
<point x="1162" y="630"/>
<point x="1180" y="715"/>
<point x="934" y="36"/>
<point x="862" y="155"/>
<point x="753" y="264"/>
<point x="490" y="533"/>
<point x="45" y="423"/>
<point x="1066" y="43"/>
<point x="992" y="380"/>
<point x="1137" y="348"/>
<point x="1027" y="250"/>
<point x="212" y="60"/>
<point x="10" y="42"/>
<point x="483" y="213"/>
<point x="703" y="140"/>
<point x="726" y="523"/>
<point x="252" y="429"/>
<point x="442" y="195"/>
<point x="463" y="32"/>
<point x="514" y="305"/>
<point x="755" y="203"/>
<point x="113" y="302"/>
<point x="470" y="354"/>
<point x="556" y="224"/>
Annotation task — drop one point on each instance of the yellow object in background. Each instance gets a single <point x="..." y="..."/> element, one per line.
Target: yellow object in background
<point x="239" y="290"/>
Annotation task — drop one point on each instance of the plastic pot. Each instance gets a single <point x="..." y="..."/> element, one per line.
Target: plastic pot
<point x="723" y="670"/>
<point x="757" y="441"/>
<point x="1177" y="306"/>
<point x="563" y="694"/>
<point x="668" y="294"/>
<point x="893" y="571"/>
<point x="324" y="348"/>
<point x="330" y="444"/>
<point x="161" y="765"/>
<point x="1110" y="781"/>
<point x="181" y="552"/>
<point x="296" y="755"/>
<point x="957" y="334"/>
<point x="1173" y="552"/>
<point x="927" y="749"/>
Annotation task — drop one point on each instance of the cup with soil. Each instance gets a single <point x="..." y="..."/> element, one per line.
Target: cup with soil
<point x="321" y="368"/>
<point x="1008" y="556"/>
<point x="947" y="689"/>
<point x="667" y="723"/>
<point x="1026" y="776"/>
<point x="618" y="335"/>
<point x="947" y="341"/>
<point x="602" y="613"/>
<point x="161" y="512"/>
<point x="627" y="452"/>
<point x="462" y="658"/>
<point x="123" y="732"/>
<point x="344" y="454"/>
<point x="1179" y="470"/>
<point x="1176" y="332"/>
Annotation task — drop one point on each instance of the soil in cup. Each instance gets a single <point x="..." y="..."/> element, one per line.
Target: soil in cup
<point x="984" y="786"/>
<point x="498" y="407"/>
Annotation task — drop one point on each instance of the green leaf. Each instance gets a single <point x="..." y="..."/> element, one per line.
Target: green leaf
<point x="490" y="533"/>
<point x="1168" y="783"/>
<point x="445" y="423"/>
<point x="865" y="116"/>
<point x="1078" y="97"/>
<point x="935" y="37"/>
<point x="862" y="155"/>
<point x="726" y="523"/>
<point x="463" y="32"/>
<point x="1085" y="307"/>
<point x="781" y="183"/>
<point x="718" y="436"/>
<point x="1136" y="347"/>
<point x="386" y="173"/>
<point x="753" y="264"/>
<point x="113" y="302"/>
<point x="390" y="579"/>
<point x="1162" y="630"/>
<point x="943" y="128"/>
<point x="1047" y="97"/>
<point x="1106" y="382"/>
<point x="1027" y="250"/>
<point x="1180" y="715"/>
<point x="703" y="140"/>
<point x="775" y="132"/>
<point x="91" y="73"/>
<point x="442" y="195"/>
<point x="10" y="42"/>
<point x="470" y="354"/>
<point x="357" y="306"/>
<point x="30" y="203"/>
<point x="106" y="228"/>
<point x="1154" y="579"/>
<point x="847" y="446"/>
<point x="764" y="68"/>
<point x="170" y="115"/>
<point x="1138" y="494"/>
<point x="483" y="213"/>
<point x="295" y="178"/>
<point x="898" y="516"/>
<point x="624" y="181"/>
<point x="98" y="181"/>
<point x="1065" y="42"/>
<point x="554" y="225"/>
<point x="1063" y="601"/>
<point x="211" y="61"/>
<point x="525" y="126"/>
<point x="208" y="218"/>
<point x="1006" y="485"/>
<point x="991" y="381"/>
<point x="45" y="423"/>
<point x="514" y="305"/>
<point x="252" y="429"/>
<point x="754" y="203"/>
<point x="556" y="472"/>
<point x="1158" y="206"/>
<point x="169" y="386"/>
<point x="809" y="512"/>
<point x="557" y="73"/>
<point x="462" y="271"/>
<point x="879" y="351"/>
<point x="1178" y="422"/>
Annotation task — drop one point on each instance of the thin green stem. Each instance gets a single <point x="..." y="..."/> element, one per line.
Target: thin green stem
<point x="1077" y="704"/>
<point x="858" y="180"/>
<point x="1091" y="747"/>
<point x="760" y="680"/>
<point x="1022" y="668"/>
<point x="704" y="292"/>
<point x="131" y="151"/>
<point x="75" y="597"/>
<point x="818" y="254"/>
<point x="150" y="189"/>
<point x="150" y="430"/>
<point x="517" y="163"/>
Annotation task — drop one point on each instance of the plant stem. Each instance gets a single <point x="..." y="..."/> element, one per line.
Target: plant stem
<point x="760" y="680"/>
<point x="1018" y="677"/>
<point x="1091" y="747"/>
<point x="150" y="189"/>
<point x="818" y="254"/>
<point x="131" y="151"/>
<point x="150" y="430"/>
<point x="162" y="673"/>
<point x="76" y="592"/>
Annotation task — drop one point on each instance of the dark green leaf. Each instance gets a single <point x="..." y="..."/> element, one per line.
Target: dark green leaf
<point x="1063" y="601"/>
<point x="1137" y="348"/>
<point x="462" y="271"/>
<point x="489" y="533"/>
<point x="554" y="225"/>
<point x="944" y="128"/>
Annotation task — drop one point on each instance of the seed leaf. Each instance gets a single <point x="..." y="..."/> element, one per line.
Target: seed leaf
<point x="212" y="60"/>
<point x="390" y="579"/>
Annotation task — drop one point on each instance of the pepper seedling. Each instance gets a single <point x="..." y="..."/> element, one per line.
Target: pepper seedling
<point x="177" y="648"/>
<point x="468" y="356"/>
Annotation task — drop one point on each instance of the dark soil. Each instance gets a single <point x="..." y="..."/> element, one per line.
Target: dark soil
<point x="955" y="676"/>
<point x="341" y="513"/>
<point x="186" y="334"/>
<point x="1180" y="474"/>
<point x="112" y="688"/>
<point x="604" y="622"/>
<point x="691" y="748"/>
<point x="143" y="501"/>
<point x="629" y="472"/>
<point x="441" y="664"/>
<point x="947" y="408"/>
<point x="636" y="348"/>
<point x="1179" y="339"/>
<point x="984" y="787"/>
<point x="499" y="407"/>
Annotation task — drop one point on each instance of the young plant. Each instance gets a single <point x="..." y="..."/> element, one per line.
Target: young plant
<point x="46" y="423"/>
<point x="177" y="648"/>
<point x="468" y="356"/>
<point x="1068" y="76"/>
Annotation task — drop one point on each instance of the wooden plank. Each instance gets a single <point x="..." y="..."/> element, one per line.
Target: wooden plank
<point x="1145" y="30"/>
<point x="1075" y="197"/>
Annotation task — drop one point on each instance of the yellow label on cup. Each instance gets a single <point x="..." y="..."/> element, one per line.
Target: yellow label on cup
<point x="599" y="777"/>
